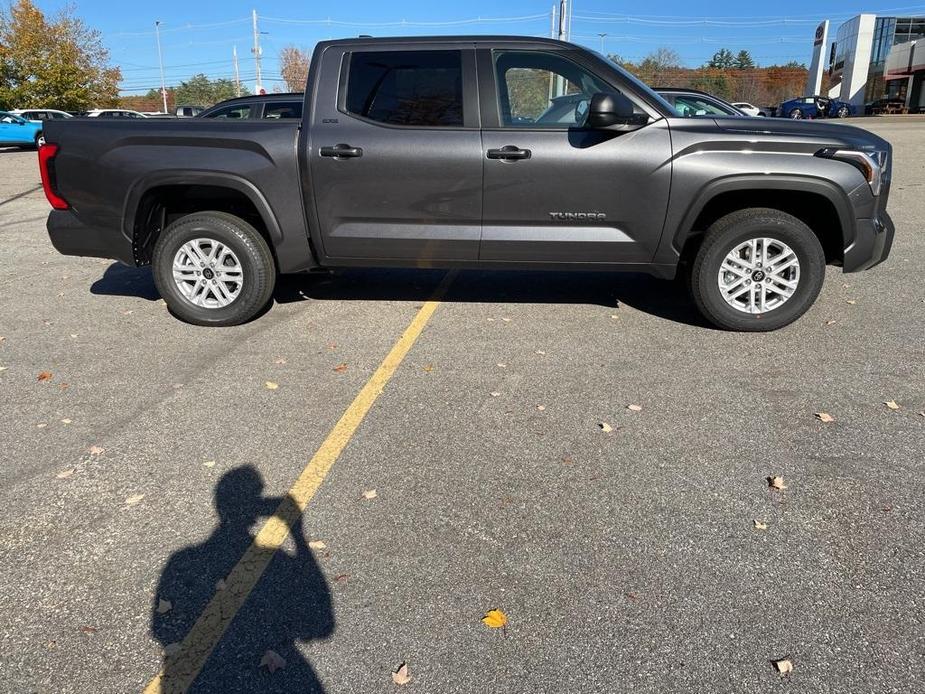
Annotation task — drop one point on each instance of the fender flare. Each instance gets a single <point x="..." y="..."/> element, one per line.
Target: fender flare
<point x="763" y="182"/>
<point x="205" y="178"/>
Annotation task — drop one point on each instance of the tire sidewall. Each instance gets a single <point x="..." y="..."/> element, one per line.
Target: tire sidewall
<point x="812" y="274"/>
<point x="247" y="245"/>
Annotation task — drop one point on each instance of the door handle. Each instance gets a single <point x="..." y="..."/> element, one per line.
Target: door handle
<point x="341" y="151"/>
<point x="509" y="152"/>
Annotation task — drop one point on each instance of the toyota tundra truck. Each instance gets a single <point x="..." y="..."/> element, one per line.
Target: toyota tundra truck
<point x="473" y="152"/>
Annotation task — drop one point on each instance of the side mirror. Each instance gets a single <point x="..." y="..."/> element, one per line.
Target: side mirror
<point x="612" y="110"/>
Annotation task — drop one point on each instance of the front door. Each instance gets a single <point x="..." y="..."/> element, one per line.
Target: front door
<point x="554" y="192"/>
<point x="395" y="155"/>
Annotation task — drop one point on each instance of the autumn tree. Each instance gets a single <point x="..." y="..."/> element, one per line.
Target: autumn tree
<point x="58" y="63"/>
<point x="199" y="90"/>
<point x="294" y="67"/>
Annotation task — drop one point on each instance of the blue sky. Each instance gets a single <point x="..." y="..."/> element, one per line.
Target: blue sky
<point x="198" y="36"/>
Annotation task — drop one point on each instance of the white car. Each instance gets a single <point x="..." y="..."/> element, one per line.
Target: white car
<point x="114" y="113"/>
<point x="746" y="107"/>
<point x="40" y="114"/>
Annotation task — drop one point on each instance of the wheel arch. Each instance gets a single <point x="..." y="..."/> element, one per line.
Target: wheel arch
<point x="154" y="200"/>
<point x="819" y="203"/>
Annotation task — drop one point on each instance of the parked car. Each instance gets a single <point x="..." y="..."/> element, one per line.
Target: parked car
<point x="748" y="109"/>
<point x="885" y="105"/>
<point x="187" y="111"/>
<point x="40" y="114"/>
<point x="434" y="152"/>
<point x="815" y="107"/>
<point x="271" y="106"/>
<point x="693" y="102"/>
<point x="114" y="113"/>
<point x="15" y="130"/>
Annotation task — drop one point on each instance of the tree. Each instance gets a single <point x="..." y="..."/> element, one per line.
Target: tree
<point x="722" y="59"/>
<point x="199" y="90"/>
<point x="59" y="63"/>
<point x="743" y="61"/>
<point x="294" y="67"/>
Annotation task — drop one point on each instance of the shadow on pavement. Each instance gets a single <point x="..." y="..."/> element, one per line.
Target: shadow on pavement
<point x="290" y="602"/>
<point x="643" y="292"/>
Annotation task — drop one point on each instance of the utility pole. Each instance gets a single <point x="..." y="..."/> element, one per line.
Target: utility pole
<point x="256" y="52"/>
<point x="237" y="77"/>
<point x="563" y="36"/>
<point x="160" y="60"/>
<point x="552" y="30"/>
<point x="602" y="42"/>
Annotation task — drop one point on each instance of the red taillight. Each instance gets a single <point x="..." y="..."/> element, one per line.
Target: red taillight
<point x="47" y="154"/>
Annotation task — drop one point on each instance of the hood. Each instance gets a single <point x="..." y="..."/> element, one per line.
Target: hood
<point x="835" y="134"/>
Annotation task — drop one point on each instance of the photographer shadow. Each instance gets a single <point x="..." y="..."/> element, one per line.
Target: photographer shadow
<point x="288" y="605"/>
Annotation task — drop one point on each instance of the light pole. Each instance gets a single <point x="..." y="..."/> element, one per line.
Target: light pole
<point x="160" y="60"/>
<point x="602" y="42"/>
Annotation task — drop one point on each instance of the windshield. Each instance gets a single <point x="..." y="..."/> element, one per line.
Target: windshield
<point x="10" y="118"/>
<point x="688" y="105"/>
<point x="636" y="82"/>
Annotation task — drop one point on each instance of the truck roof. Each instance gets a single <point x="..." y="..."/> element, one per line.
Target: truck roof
<point x="471" y="38"/>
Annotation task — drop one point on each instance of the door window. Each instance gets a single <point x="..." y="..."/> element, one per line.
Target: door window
<point x="235" y="112"/>
<point x="283" y="109"/>
<point x="537" y="89"/>
<point x="412" y="88"/>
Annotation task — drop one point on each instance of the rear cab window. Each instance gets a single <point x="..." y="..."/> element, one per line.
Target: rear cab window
<point x="276" y="110"/>
<point x="233" y="112"/>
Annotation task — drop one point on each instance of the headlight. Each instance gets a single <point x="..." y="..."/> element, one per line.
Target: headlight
<point x="871" y="163"/>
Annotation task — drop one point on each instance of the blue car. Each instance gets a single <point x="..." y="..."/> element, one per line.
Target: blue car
<point x="19" y="131"/>
<point x="815" y="107"/>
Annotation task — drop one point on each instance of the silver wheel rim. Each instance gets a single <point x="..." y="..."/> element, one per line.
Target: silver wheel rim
<point x="208" y="273"/>
<point x="759" y="275"/>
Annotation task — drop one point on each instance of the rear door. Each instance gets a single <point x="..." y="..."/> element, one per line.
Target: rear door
<point x="554" y="192"/>
<point x="394" y="153"/>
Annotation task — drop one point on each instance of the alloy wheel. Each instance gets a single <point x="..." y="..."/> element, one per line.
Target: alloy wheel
<point x="759" y="275"/>
<point x="208" y="273"/>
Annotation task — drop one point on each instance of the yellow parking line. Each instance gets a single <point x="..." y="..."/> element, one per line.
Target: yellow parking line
<point x="184" y="664"/>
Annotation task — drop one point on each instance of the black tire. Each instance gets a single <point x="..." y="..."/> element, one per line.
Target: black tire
<point x="796" y="114"/>
<point x="252" y="251"/>
<point x="735" y="228"/>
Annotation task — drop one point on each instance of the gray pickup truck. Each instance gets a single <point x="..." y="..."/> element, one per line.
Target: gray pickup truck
<point x="488" y="152"/>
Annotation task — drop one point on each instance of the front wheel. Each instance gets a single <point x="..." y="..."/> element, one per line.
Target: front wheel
<point x="213" y="268"/>
<point x="843" y="112"/>
<point x="757" y="270"/>
<point x="796" y="114"/>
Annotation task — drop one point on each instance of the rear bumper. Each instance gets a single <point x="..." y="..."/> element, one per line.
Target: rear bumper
<point x="872" y="242"/>
<point x="70" y="236"/>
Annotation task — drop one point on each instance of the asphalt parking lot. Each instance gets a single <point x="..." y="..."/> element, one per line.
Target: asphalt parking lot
<point x="140" y="455"/>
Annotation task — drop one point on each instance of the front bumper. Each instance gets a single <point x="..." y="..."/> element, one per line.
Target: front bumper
<point x="873" y="239"/>
<point x="70" y="236"/>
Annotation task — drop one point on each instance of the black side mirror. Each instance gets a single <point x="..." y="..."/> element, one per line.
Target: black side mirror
<point x="612" y="110"/>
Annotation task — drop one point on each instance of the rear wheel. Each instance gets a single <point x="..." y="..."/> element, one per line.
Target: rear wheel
<point x="796" y="114"/>
<point x="843" y="112"/>
<point x="213" y="268"/>
<point x="39" y="140"/>
<point x="757" y="270"/>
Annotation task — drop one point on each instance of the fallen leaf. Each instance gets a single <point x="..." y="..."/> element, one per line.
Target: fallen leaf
<point x="824" y="417"/>
<point x="495" y="619"/>
<point x="88" y="629"/>
<point x="64" y="474"/>
<point x="271" y="385"/>
<point x="272" y="660"/>
<point x="127" y="313"/>
<point x="280" y="361"/>
<point x="506" y="320"/>
<point x="605" y="427"/>
<point x="317" y="544"/>
<point x="341" y="578"/>
<point x="41" y="425"/>
<point x="400" y="675"/>
<point x="66" y="421"/>
<point x="494" y="393"/>
<point x="892" y="404"/>
<point x="784" y="666"/>
<point x="502" y="366"/>
<point x="44" y="376"/>
<point x="634" y="408"/>
<point x="776" y="482"/>
<point x="922" y="413"/>
<point x="96" y="450"/>
<point x="164" y="606"/>
<point x="63" y="386"/>
<point x="830" y="322"/>
<point x="369" y="494"/>
<point x="340" y="368"/>
<point x="3" y="368"/>
<point x="73" y="336"/>
<point x="428" y="368"/>
<point x="209" y="463"/>
<point x="851" y="301"/>
<point x="541" y="407"/>
<point x="539" y="351"/>
<point x="568" y="460"/>
<point x="759" y="525"/>
<point x="134" y="499"/>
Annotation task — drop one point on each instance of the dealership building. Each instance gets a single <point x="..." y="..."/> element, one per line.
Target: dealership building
<point x="872" y="58"/>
